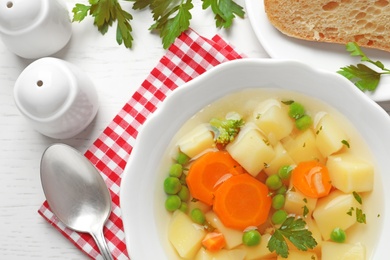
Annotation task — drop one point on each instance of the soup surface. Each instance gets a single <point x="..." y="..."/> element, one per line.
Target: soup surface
<point x="268" y="174"/>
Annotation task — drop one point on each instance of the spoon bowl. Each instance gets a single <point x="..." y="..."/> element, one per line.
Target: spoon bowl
<point x="76" y="192"/>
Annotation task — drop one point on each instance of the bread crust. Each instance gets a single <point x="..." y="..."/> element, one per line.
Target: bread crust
<point x="366" y="22"/>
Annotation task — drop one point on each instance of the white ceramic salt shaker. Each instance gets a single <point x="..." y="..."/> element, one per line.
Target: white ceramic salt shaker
<point x="56" y="97"/>
<point x="34" y="28"/>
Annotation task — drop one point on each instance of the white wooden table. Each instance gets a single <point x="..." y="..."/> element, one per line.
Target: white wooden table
<point x="117" y="72"/>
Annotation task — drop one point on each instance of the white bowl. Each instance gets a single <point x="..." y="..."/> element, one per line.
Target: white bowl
<point x="142" y="197"/>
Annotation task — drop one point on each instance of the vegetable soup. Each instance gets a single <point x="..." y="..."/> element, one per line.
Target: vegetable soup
<point x="269" y="174"/>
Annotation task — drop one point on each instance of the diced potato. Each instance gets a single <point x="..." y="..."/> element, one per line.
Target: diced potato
<point x="251" y="150"/>
<point x="295" y="202"/>
<point x="273" y="120"/>
<point x="260" y="251"/>
<point x="185" y="236"/>
<point x="233" y="254"/>
<point x="196" y="141"/>
<point x="329" y="136"/>
<point x="331" y="212"/>
<point x="349" y="173"/>
<point x="299" y="255"/>
<point x="303" y="147"/>
<point x="233" y="237"/>
<point x="281" y="158"/>
<point x="344" y="251"/>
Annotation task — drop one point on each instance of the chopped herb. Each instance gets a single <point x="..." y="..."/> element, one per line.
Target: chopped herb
<point x="305" y="210"/>
<point x="345" y="142"/>
<point x="357" y="197"/>
<point x="305" y="200"/>
<point x="319" y="130"/>
<point x="360" y="216"/>
<point x="258" y="116"/>
<point x="288" y="102"/>
<point x="350" y="211"/>
<point x="364" y="77"/>
<point x="294" y="230"/>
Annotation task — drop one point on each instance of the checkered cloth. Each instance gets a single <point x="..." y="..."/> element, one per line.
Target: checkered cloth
<point x="190" y="56"/>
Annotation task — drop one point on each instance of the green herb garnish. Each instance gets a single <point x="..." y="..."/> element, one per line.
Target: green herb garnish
<point x="346" y="143"/>
<point x="364" y="77"/>
<point x="294" y="230"/>
<point x="171" y="17"/>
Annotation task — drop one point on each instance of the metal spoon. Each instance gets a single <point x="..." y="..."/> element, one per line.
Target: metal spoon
<point x="76" y="192"/>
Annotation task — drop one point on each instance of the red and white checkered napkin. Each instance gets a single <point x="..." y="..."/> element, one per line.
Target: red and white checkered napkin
<point x="187" y="58"/>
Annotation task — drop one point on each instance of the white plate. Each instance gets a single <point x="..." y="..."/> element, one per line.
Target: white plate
<point x="142" y="195"/>
<point x="319" y="55"/>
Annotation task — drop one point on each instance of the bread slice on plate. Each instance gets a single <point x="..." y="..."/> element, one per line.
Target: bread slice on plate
<point x="366" y="22"/>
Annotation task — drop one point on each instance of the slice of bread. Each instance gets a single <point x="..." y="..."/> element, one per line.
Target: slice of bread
<point x="366" y="22"/>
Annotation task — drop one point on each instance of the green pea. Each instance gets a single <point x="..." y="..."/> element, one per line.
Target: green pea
<point x="279" y="216"/>
<point x="282" y="190"/>
<point x="278" y="201"/>
<point x="184" y="207"/>
<point x="338" y="235"/>
<point x="176" y="170"/>
<point x="197" y="216"/>
<point x="184" y="193"/>
<point x="172" y="185"/>
<point x="285" y="172"/>
<point x="182" y="158"/>
<point x="296" y="110"/>
<point x="273" y="182"/>
<point x="304" y="122"/>
<point x="251" y="238"/>
<point x="172" y="203"/>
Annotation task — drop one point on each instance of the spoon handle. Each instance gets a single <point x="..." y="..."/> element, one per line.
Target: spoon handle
<point x="101" y="243"/>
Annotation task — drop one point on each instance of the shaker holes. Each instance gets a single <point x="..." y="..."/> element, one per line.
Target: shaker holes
<point x="39" y="83"/>
<point x="10" y="4"/>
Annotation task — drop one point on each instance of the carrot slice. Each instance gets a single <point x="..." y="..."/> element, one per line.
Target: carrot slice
<point x="207" y="172"/>
<point x="312" y="179"/>
<point x="242" y="201"/>
<point x="214" y="241"/>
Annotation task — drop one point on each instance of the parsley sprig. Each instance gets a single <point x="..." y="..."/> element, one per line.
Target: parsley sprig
<point x="171" y="17"/>
<point x="294" y="230"/>
<point x="364" y="77"/>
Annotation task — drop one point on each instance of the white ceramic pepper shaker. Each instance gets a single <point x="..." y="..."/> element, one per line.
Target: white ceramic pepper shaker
<point x="34" y="28"/>
<point x="56" y="97"/>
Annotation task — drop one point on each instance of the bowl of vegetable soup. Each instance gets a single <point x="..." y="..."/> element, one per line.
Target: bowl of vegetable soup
<point x="260" y="159"/>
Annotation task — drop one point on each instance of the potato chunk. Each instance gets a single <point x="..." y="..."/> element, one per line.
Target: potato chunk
<point x="280" y="159"/>
<point x="273" y="120"/>
<point x="303" y="147"/>
<point x="349" y="173"/>
<point x="185" y="236"/>
<point x="296" y="201"/>
<point x="233" y="237"/>
<point x="300" y="255"/>
<point x="329" y="136"/>
<point x="337" y="251"/>
<point x="233" y="254"/>
<point x="331" y="212"/>
<point x="196" y="141"/>
<point x="251" y="150"/>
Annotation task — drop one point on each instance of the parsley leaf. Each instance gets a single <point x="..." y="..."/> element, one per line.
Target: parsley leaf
<point x="105" y="12"/>
<point x="225" y="11"/>
<point x="364" y="77"/>
<point x="172" y="23"/>
<point x="360" y="216"/>
<point x="294" y="230"/>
